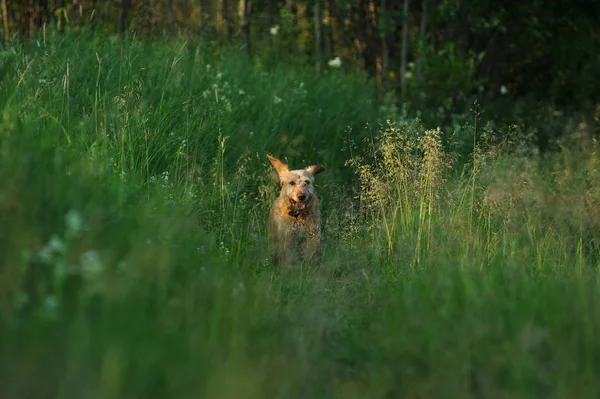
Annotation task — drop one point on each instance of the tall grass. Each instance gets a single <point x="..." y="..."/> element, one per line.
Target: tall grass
<point x="133" y="205"/>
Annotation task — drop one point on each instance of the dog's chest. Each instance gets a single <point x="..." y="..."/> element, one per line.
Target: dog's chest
<point x="300" y="228"/>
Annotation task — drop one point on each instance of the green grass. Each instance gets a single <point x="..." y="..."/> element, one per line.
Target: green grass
<point x="133" y="204"/>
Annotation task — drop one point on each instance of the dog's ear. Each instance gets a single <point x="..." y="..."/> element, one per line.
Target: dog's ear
<point x="315" y="169"/>
<point x="279" y="166"/>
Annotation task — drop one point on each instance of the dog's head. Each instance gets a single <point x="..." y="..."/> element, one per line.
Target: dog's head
<point x="297" y="186"/>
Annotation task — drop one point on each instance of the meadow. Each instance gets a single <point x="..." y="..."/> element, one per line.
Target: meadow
<point x="134" y="256"/>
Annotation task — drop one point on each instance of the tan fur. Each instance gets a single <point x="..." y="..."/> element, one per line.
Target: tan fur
<point x="295" y="221"/>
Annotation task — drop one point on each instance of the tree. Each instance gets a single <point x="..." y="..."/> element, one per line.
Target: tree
<point x="200" y="16"/>
<point x="123" y="15"/>
<point x="171" y="17"/>
<point x="422" y="35"/>
<point x="404" y="50"/>
<point x="246" y="13"/>
<point x="319" y="36"/>
<point x="5" y="20"/>
<point x="384" y="28"/>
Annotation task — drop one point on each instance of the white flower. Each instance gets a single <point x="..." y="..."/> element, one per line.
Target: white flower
<point x="277" y="100"/>
<point x="408" y="75"/>
<point x="55" y="246"/>
<point x="219" y="75"/>
<point x="335" y="63"/>
<point x="503" y="89"/>
<point x="50" y="303"/>
<point x="91" y="265"/>
<point x="274" y="30"/>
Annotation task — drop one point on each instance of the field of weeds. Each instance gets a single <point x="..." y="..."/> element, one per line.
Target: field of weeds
<point x="134" y="257"/>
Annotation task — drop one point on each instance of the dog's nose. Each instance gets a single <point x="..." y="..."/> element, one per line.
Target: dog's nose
<point x="302" y="197"/>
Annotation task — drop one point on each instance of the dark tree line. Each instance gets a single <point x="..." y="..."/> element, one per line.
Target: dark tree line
<point x="425" y="49"/>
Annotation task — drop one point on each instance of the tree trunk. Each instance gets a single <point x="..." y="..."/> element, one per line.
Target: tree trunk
<point x="123" y="16"/>
<point x="272" y="5"/>
<point x="224" y="25"/>
<point x="78" y="10"/>
<point x="360" y="28"/>
<point x="31" y="12"/>
<point x="42" y="13"/>
<point x="328" y="30"/>
<point x="5" y="21"/>
<point x="385" y="51"/>
<point x="228" y="19"/>
<point x="171" y="16"/>
<point x="433" y="28"/>
<point x="404" y="50"/>
<point x="339" y="33"/>
<point x="200" y="16"/>
<point x="247" y="12"/>
<point x="220" y="20"/>
<point x="422" y="34"/>
<point x="319" y="36"/>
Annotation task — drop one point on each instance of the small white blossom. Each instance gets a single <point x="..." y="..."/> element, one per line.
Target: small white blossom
<point x="54" y="247"/>
<point x="335" y="63"/>
<point x="277" y="100"/>
<point x="503" y="89"/>
<point x="74" y="222"/>
<point x="274" y="30"/>
<point x="91" y="265"/>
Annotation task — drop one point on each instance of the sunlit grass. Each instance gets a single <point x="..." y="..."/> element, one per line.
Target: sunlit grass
<point x="133" y="206"/>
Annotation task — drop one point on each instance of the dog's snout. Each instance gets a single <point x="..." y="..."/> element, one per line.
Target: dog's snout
<point x="302" y="197"/>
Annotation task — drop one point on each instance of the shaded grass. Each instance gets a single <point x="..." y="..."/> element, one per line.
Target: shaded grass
<point x="134" y="258"/>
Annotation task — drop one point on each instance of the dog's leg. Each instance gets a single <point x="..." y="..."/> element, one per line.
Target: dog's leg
<point x="312" y="246"/>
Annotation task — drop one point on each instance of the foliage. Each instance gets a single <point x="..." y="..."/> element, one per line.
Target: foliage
<point x="133" y="249"/>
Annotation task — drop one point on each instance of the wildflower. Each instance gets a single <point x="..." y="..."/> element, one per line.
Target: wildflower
<point x="54" y="246"/>
<point x="335" y="63"/>
<point x="408" y="75"/>
<point x="91" y="265"/>
<point x="392" y="75"/>
<point x="274" y="30"/>
<point x="50" y="303"/>
<point x="277" y="100"/>
<point x="219" y="75"/>
<point x="503" y="89"/>
<point x="74" y="222"/>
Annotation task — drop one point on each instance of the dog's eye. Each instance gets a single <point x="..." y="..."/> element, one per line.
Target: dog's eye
<point x="292" y="183"/>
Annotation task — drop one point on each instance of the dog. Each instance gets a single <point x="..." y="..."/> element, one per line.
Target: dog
<point x="295" y="219"/>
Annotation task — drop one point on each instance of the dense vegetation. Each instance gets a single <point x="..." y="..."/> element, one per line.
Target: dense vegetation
<point x="459" y="261"/>
<point x="437" y="56"/>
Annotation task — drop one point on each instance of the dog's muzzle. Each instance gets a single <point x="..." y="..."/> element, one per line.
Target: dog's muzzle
<point x="298" y="208"/>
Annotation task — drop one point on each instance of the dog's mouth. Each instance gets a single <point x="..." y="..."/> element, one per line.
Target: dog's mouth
<point x="298" y="207"/>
